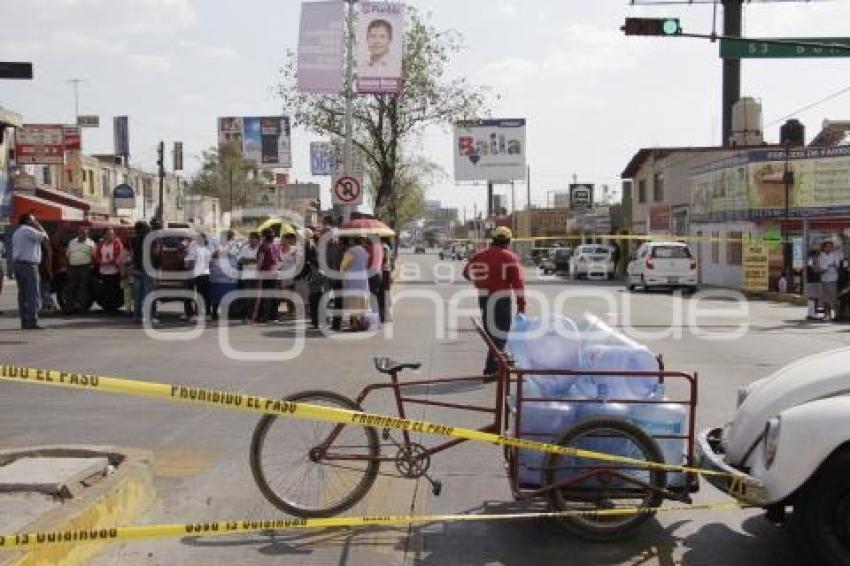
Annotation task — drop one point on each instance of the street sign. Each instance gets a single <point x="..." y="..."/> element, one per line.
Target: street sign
<point x="322" y="158"/>
<point x="759" y="49"/>
<point x="15" y="70"/>
<point x="72" y="138"/>
<point x="756" y="266"/>
<point x="88" y="121"/>
<point x="347" y="191"/>
<point x="581" y="196"/>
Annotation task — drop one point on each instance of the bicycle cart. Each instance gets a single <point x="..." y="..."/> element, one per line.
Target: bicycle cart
<point x="319" y="469"/>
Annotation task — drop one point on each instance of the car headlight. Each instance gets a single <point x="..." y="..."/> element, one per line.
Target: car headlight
<point x="771" y="440"/>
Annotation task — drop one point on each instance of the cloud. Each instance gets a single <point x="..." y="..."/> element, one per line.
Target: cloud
<point x="109" y="17"/>
<point x="506" y="7"/>
<point x="585" y="52"/>
<point x="154" y="63"/>
<point x="208" y="51"/>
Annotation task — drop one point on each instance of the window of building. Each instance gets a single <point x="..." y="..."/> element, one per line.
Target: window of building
<point x="642" y="190"/>
<point x="715" y="247"/>
<point x="104" y="183"/>
<point x="658" y="188"/>
<point x="45" y="174"/>
<point x="734" y="248"/>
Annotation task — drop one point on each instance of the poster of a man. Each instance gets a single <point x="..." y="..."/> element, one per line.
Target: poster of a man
<point x="380" y="40"/>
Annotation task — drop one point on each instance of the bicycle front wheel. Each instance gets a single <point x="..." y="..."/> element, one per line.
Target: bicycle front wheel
<point x="314" y="468"/>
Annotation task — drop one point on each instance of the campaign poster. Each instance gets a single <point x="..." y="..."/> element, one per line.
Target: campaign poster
<point x="380" y="47"/>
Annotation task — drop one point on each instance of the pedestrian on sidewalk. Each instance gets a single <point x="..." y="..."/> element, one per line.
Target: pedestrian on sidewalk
<point x="813" y="284"/>
<point x="107" y="256"/>
<point x="376" y="276"/>
<point x="498" y="275"/>
<point x="829" y="263"/>
<point x="268" y="259"/>
<point x="223" y="273"/>
<point x="80" y="255"/>
<point x="29" y="243"/>
<point x="387" y="269"/>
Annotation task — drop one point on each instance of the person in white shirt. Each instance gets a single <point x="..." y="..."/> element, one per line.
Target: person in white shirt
<point x="28" y="242"/>
<point x="829" y="263"/>
<point x="247" y="261"/>
<point x="198" y="260"/>
<point x="80" y="254"/>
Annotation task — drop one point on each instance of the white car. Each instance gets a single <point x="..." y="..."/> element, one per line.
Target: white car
<point x="662" y="264"/>
<point x="789" y="444"/>
<point x="593" y="261"/>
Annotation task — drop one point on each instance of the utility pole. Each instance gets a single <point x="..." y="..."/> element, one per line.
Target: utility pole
<point x="733" y="15"/>
<point x="489" y="199"/>
<point x="160" y="212"/>
<point x="348" y="158"/>
<point x="75" y="84"/>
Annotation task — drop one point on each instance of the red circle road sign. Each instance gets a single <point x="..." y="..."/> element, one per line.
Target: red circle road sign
<point x="347" y="190"/>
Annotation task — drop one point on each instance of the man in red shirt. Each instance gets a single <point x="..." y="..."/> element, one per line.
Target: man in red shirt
<point x="497" y="274"/>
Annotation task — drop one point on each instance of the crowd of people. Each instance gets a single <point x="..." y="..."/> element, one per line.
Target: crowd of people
<point x="337" y="278"/>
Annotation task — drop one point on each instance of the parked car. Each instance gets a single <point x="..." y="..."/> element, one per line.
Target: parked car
<point x="592" y="261"/>
<point x="419" y="249"/>
<point x="662" y="264"/>
<point x="789" y="444"/>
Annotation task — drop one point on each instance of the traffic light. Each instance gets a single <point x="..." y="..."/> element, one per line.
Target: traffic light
<point x="652" y="26"/>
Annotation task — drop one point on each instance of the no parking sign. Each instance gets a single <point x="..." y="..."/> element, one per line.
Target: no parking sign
<point x="347" y="190"/>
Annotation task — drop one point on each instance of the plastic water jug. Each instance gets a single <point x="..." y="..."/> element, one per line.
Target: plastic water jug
<point x="594" y="331"/>
<point x="542" y="422"/>
<point x="627" y="358"/>
<point x="548" y="343"/>
<point x="665" y="418"/>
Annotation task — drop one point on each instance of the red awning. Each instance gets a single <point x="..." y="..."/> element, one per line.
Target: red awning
<point x="63" y="198"/>
<point x="43" y="209"/>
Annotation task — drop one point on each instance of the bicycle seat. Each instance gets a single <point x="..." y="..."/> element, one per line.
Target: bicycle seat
<point x="388" y="365"/>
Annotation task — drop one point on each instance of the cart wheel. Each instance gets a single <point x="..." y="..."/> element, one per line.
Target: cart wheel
<point x="605" y="486"/>
<point x="297" y="480"/>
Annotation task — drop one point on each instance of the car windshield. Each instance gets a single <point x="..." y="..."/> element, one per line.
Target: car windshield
<point x="594" y="250"/>
<point x="671" y="252"/>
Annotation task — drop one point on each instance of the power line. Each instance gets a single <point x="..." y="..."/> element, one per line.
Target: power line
<point x="810" y="106"/>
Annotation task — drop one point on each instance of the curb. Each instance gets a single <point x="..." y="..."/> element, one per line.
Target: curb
<point x="117" y="500"/>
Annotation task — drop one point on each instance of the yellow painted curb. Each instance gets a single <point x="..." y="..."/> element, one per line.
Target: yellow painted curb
<point x="116" y="500"/>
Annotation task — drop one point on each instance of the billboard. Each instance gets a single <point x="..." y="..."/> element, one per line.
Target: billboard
<point x="322" y="158"/>
<point x="321" y="47"/>
<point x="263" y="139"/>
<point x="121" y="135"/>
<point x="820" y="177"/>
<point x="72" y="138"/>
<point x="380" y="47"/>
<point x="490" y="150"/>
<point x="40" y="144"/>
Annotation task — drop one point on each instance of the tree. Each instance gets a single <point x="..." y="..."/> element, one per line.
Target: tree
<point x="407" y="200"/>
<point x="226" y="175"/>
<point x="384" y="122"/>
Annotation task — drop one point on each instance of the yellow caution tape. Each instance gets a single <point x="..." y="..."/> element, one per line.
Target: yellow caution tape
<point x="290" y="409"/>
<point x="639" y="237"/>
<point x="111" y="534"/>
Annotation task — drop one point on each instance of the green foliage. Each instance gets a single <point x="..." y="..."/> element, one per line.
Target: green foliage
<point x="221" y="165"/>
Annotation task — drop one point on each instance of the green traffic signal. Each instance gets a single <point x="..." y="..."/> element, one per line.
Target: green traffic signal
<point x="671" y="26"/>
<point x="652" y="26"/>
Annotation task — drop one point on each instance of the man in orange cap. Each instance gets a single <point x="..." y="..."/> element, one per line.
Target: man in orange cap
<point x="498" y="275"/>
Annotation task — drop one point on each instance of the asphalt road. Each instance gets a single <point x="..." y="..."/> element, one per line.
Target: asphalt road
<point x="202" y="454"/>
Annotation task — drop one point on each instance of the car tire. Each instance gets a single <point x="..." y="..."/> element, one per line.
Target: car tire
<point x="821" y="520"/>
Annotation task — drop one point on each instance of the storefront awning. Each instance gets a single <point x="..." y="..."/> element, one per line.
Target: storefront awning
<point x="63" y="198"/>
<point x="43" y="209"/>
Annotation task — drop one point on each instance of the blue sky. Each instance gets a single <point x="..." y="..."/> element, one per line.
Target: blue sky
<point x="591" y="96"/>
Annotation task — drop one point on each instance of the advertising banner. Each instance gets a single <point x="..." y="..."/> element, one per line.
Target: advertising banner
<point x="40" y="144"/>
<point x="490" y="150"/>
<point x="380" y="47"/>
<point x="72" y="138"/>
<point x="819" y="177"/>
<point x="124" y="197"/>
<point x="88" y="121"/>
<point x="264" y="140"/>
<point x="321" y="47"/>
<point x="322" y="158"/>
<point x="756" y="266"/>
<point x="121" y="135"/>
